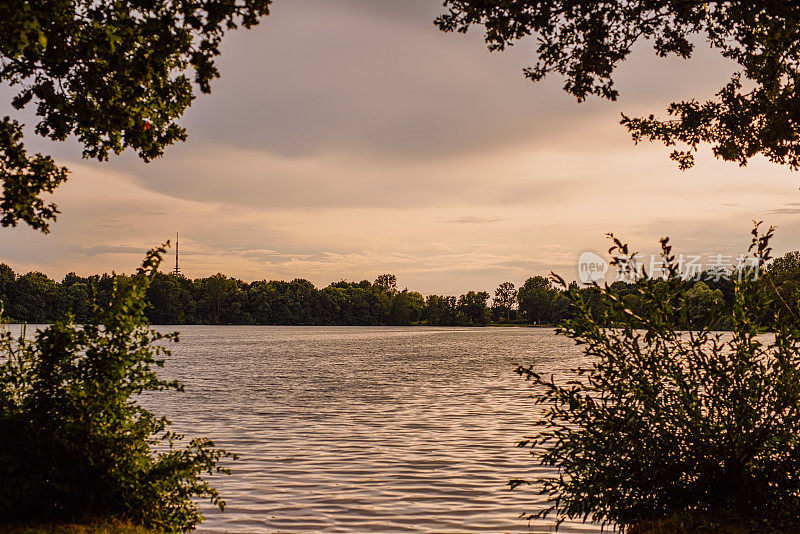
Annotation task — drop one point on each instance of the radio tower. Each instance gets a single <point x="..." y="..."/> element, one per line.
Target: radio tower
<point x="177" y="271"/>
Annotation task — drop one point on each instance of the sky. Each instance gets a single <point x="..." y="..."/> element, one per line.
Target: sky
<point x="352" y="138"/>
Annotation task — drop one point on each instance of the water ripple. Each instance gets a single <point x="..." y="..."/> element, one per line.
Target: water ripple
<point x="365" y="429"/>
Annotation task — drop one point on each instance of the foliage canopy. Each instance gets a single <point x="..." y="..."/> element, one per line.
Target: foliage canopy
<point x="75" y="444"/>
<point x="667" y="421"/>
<point x="756" y="112"/>
<point x="219" y="299"/>
<point x="114" y="74"/>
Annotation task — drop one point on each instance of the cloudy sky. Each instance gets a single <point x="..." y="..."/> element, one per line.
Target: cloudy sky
<point x="351" y="138"/>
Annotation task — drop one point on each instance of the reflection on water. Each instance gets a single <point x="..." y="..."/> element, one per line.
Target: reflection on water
<point x="348" y="429"/>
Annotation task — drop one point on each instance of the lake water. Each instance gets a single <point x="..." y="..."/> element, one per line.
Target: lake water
<point x="364" y="429"/>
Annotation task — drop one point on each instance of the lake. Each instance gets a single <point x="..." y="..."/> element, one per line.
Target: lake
<point x="365" y="429"/>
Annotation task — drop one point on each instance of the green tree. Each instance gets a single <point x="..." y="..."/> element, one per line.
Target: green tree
<point x="755" y="113"/>
<point x="79" y="301"/>
<point x="785" y="269"/>
<point x="31" y="297"/>
<point x="75" y="443"/>
<point x="285" y="303"/>
<point x="723" y="283"/>
<point x="702" y="305"/>
<point x="505" y="297"/>
<point x="170" y="302"/>
<point x="361" y="303"/>
<point x="303" y="302"/>
<point x="439" y="310"/>
<point x="406" y="308"/>
<point x="540" y="302"/>
<point x="472" y="307"/>
<point x="335" y="307"/>
<point x="115" y="75"/>
<point x="7" y="277"/>
<point x="385" y="287"/>
<point x="214" y="293"/>
<point x="261" y="296"/>
<point x="387" y="282"/>
<point x="666" y="423"/>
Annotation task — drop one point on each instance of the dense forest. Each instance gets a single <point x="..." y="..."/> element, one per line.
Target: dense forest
<point x="218" y="299"/>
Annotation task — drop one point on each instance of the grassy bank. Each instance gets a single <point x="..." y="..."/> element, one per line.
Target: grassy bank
<point x="100" y="527"/>
<point x="709" y="524"/>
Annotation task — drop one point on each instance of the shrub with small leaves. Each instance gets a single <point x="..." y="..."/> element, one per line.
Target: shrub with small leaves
<point x="668" y="422"/>
<point x="75" y="444"/>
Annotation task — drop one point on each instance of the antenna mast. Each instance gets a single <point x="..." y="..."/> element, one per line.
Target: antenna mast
<point x="177" y="271"/>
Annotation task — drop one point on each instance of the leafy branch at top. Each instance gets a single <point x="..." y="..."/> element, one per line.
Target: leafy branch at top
<point x="114" y="74"/>
<point x="756" y="112"/>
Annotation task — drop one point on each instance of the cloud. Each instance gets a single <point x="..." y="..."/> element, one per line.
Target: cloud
<point x="348" y="139"/>
<point x="111" y="249"/>
<point x="790" y="208"/>
<point x="475" y="220"/>
<point x="338" y="180"/>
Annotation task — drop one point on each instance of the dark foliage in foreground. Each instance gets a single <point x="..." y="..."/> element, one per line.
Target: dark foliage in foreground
<point x="74" y="444"/>
<point x="668" y="422"/>
<point x="754" y="113"/>
<point x="115" y="75"/>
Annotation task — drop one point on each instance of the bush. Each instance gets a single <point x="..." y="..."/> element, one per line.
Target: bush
<point x="667" y="422"/>
<point x="74" y="444"/>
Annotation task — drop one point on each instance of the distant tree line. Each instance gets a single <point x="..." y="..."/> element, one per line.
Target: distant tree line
<point x="219" y="299"/>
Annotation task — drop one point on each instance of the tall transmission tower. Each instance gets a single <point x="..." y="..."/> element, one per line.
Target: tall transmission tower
<point x="177" y="271"/>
